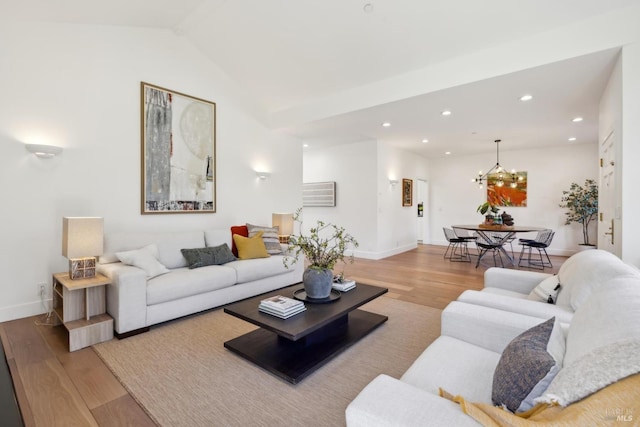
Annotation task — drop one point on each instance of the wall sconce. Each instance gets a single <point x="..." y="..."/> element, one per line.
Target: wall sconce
<point x="44" y="151"/>
<point x="82" y="240"/>
<point x="263" y="175"/>
<point x="284" y="222"/>
<point x="393" y="182"/>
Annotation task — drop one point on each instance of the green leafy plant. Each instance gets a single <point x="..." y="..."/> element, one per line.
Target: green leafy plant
<point x="324" y="246"/>
<point x="582" y="205"/>
<point x="486" y="207"/>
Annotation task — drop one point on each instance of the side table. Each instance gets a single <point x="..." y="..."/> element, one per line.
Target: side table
<point x="81" y="306"/>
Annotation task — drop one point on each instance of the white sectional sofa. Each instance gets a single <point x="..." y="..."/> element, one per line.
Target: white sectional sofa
<point x="136" y="303"/>
<point x="600" y="335"/>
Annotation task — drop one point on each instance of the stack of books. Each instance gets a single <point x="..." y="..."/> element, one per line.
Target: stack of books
<point x="343" y="285"/>
<point x="281" y="307"/>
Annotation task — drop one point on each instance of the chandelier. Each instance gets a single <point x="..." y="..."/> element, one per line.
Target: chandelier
<point x="501" y="176"/>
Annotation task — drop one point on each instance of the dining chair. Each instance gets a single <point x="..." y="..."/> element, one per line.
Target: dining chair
<point x="540" y="243"/>
<point x="456" y="244"/>
<point x="487" y="245"/>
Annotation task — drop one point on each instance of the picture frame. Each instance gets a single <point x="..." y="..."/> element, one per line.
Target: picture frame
<point x="407" y="192"/>
<point x="178" y="152"/>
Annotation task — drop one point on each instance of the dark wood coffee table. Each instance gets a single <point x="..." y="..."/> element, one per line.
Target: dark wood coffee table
<point x="293" y="348"/>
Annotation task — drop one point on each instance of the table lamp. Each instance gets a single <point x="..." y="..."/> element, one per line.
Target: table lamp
<point x="82" y="239"/>
<point x="284" y="222"/>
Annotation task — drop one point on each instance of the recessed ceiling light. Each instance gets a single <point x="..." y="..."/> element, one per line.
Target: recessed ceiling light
<point x="573" y="138"/>
<point x="577" y="119"/>
<point x="446" y="113"/>
<point x="305" y="145"/>
<point x="368" y="8"/>
<point x="447" y="152"/>
<point x="526" y="97"/>
<point x="424" y="141"/>
<point x="386" y="124"/>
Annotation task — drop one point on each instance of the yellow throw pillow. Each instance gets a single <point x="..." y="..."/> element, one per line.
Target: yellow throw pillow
<point x="250" y="247"/>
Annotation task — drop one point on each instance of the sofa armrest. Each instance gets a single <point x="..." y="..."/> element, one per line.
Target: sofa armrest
<point x="513" y="280"/>
<point x="126" y="296"/>
<point x="386" y="401"/>
<point x="485" y="327"/>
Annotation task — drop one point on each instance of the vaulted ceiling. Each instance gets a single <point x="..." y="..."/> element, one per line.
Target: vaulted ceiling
<point x="289" y="53"/>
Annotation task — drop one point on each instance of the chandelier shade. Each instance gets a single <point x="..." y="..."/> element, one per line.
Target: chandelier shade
<point x="498" y="174"/>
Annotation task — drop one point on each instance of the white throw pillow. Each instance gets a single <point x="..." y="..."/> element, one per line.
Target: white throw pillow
<point x="546" y="291"/>
<point x="144" y="258"/>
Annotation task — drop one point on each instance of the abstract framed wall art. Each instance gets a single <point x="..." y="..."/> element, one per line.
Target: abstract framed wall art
<point x="511" y="193"/>
<point x="178" y="135"/>
<point x="407" y="192"/>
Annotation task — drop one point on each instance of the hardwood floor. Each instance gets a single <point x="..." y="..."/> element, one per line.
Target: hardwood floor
<point x="58" y="388"/>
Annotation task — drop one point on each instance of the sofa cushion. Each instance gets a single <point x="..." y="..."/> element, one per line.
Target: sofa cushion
<point x="586" y="271"/>
<point x="527" y="366"/>
<point x="201" y="257"/>
<point x="610" y="315"/>
<point x="240" y="230"/>
<point x="144" y="258"/>
<point x="183" y="282"/>
<point x="456" y="366"/>
<point x="259" y="268"/>
<point x="269" y="237"/>
<point x="546" y="291"/>
<point x="250" y="247"/>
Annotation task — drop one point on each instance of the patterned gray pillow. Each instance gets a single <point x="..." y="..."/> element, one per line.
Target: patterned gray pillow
<point x="269" y="237"/>
<point x="215" y="255"/>
<point x="527" y="366"/>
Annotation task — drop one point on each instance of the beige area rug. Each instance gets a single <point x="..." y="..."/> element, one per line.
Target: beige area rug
<point x="182" y="375"/>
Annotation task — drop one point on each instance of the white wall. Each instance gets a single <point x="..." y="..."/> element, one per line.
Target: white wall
<point x="78" y="87"/>
<point x="397" y="224"/>
<point x="367" y="205"/>
<point x="454" y="199"/>
<point x="353" y="168"/>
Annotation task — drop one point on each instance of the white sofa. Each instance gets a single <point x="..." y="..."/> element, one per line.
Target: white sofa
<point x="603" y="331"/>
<point x="578" y="276"/>
<point x="136" y="303"/>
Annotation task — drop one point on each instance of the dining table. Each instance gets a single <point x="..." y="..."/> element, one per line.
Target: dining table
<point x="499" y="234"/>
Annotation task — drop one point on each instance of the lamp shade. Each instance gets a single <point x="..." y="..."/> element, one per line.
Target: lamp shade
<point x="82" y="236"/>
<point x="284" y="222"/>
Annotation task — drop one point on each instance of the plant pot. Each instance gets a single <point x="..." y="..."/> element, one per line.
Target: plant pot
<point x="317" y="282"/>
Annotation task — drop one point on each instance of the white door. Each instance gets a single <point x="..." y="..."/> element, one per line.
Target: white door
<point x="608" y="210"/>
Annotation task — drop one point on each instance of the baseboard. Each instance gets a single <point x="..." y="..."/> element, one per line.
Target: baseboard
<point x="20" y="311"/>
<point x="384" y="254"/>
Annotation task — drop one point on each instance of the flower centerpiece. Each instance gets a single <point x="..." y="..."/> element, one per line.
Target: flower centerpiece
<point x="582" y="205"/>
<point x="323" y="247"/>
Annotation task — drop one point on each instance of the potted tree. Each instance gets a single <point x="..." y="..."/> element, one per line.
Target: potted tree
<point x="582" y="205"/>
<point x="323" y="247"/>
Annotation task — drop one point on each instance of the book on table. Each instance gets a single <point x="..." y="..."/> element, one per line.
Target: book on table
<point x="343" y="285"/>
<point x="281" y="306"/>
<point x="286" y="315"/>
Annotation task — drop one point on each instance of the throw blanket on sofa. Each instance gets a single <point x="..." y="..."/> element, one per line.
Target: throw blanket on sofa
<point x="616" y="403"/>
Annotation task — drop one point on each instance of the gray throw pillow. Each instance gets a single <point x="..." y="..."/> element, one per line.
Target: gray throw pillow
<point x="269" y="237"/>
<point x="527" y="366"/>
<point x="215" y="255"/>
